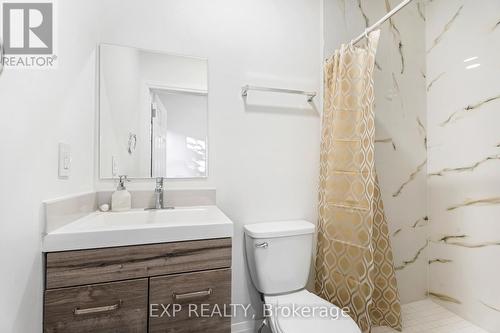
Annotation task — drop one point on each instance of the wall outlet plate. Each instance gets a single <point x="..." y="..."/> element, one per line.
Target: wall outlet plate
<point x="64" y="160"/>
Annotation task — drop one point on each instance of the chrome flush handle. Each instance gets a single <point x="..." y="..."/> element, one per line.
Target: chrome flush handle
<point x="262" y="245"/>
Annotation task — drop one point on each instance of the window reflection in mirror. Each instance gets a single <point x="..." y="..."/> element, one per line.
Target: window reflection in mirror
<point x="179" y="142"/>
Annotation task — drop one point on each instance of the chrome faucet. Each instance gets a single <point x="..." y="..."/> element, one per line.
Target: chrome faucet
<point x="159" y="193"/>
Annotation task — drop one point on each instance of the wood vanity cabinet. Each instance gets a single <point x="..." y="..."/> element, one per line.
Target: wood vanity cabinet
<point x="192" y="291"/>
<point x="113" y="290"/>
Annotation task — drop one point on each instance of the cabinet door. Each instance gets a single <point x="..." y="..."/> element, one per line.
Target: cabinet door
<point x="118" y="307"/>
<point x="191" y="302"/>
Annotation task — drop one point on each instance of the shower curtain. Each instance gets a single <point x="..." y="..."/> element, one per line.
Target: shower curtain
<point x="354" y="263"/>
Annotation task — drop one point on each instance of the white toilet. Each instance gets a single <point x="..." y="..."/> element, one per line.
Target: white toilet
<point x="279" y="258"/>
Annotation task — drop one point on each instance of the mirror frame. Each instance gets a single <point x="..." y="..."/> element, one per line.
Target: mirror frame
<point x="171" y="88"/>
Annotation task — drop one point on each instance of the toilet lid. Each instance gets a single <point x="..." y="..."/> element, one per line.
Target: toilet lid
<point x="303" y="311"/>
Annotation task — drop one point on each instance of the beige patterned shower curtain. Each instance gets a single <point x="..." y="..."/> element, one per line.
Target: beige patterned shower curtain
<point x="354" y="263"/>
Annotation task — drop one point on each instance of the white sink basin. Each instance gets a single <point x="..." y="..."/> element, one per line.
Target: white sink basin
<point x="139" y="226"/>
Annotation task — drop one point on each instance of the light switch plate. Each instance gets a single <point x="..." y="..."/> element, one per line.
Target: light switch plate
<point x="114" y="166"/>
<point x="64" y="160"/>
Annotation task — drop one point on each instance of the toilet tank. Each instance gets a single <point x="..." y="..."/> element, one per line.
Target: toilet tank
<point x="279" y="255"/>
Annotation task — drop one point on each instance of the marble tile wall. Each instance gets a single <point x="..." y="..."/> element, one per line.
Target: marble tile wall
<point x="463" y="66"/>
<point x="438" y="144"/>
<point x="401" y="161"/>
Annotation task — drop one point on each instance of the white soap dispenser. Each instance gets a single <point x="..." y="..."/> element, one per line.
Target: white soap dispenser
<point x="121" y="200"/>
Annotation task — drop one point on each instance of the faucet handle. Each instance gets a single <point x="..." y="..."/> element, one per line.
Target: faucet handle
<point x="159" y="182"/>
<point x="123" y="178"/>
<point x="121" y="181"/>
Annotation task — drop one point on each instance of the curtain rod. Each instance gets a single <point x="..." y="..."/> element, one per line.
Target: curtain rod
<point x="382" y="20"/>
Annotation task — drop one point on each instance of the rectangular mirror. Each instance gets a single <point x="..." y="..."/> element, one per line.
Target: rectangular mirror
<point x="152" y="114"/>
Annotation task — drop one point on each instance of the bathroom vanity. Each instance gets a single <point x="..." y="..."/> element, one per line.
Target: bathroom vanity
<point x="142" y="270"/>
<point x="132" y="285"/>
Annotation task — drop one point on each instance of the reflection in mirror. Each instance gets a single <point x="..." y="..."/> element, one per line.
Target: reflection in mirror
<point x="179" y="134"/>
<point x="153" y="114"/>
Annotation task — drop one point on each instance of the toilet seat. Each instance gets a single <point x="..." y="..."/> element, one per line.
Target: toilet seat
<point x="320" y="319"/>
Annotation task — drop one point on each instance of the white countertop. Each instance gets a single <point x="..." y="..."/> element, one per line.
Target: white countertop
<point x="138" y="226"/>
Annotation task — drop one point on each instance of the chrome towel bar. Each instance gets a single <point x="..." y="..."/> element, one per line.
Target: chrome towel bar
<point x="310" y="94"/>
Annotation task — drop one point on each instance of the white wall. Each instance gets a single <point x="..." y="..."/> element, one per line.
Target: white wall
<point x="38" y="110"/>
<point x="263" y="160"/>
<point x="400" y="104"/>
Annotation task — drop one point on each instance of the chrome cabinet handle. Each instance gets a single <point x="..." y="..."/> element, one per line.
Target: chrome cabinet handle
<point x="99" y="309"/>
<point x="262" y="245"/>
<point x="192" y="295"/>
